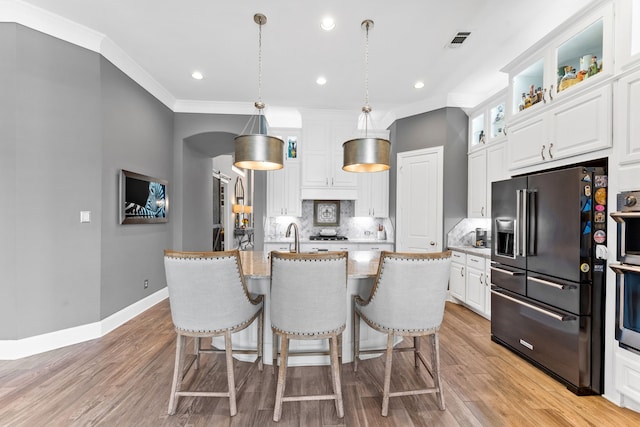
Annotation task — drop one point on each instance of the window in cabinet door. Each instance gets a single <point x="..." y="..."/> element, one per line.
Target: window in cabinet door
<point x="527" y="87"/>
<point x="580" y="57"/>
<point x="497" y="121"/>
<point x="478" y="136"/>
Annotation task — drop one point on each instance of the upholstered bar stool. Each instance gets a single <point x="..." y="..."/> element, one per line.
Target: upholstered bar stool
<point x="308" y="302"/>
<point x="407" y="299"/>
<point x="209" y="297"/>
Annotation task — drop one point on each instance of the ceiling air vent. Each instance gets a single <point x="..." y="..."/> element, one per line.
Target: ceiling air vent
<point x="459" y="38"/>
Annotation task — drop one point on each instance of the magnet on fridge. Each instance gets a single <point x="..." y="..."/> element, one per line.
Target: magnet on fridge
<point x="599" y="216"/>
<point x="587" y="190"/>
<point x="584" y="267"/>
<point x="601" y="181"/>
<point x="600" y="208"/>
<point x="587" y="228"/>
<point x="587" y="178"/>
<point x="601" y="196"/>
<point x="587" y="206"/>
<point x="599" y="236"/>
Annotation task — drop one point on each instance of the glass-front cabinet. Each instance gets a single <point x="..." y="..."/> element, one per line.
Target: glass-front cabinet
<point x="487" y="123"/>
<point x="573" y="56"/>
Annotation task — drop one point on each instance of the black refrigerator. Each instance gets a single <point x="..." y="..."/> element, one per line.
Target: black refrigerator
<point x="548" y="272"/>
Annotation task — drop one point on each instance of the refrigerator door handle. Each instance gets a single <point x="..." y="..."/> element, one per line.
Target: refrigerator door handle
<point x="516" y="226"/>
<point x="525" y="215"/>
<point x="552" y="284"/>
<point x="560" y="317"/>
<point x="510" y="273"/>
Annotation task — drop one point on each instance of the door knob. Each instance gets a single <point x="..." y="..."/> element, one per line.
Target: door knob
<point x="432" y="243"/>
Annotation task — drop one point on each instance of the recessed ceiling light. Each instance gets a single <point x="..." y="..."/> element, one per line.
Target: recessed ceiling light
<point x="197" y="75"/>
<point x="418" y="85"/>
<point x="328" y="23"/>
<point x="321" y="80"/>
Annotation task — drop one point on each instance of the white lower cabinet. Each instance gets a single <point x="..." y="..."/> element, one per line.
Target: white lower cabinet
<point x="280" y="247"/>
<point x="469" y="282"/>
<point x="475" y="291"/>
<point x="457" y="284"/>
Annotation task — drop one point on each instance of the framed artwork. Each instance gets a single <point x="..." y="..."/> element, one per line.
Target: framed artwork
<point x="326" y="213"/>
<point x="292" y="147"/>
<point x="143" y="199"/>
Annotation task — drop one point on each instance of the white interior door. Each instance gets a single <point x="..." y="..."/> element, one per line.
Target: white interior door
<point x="419" y="200"/>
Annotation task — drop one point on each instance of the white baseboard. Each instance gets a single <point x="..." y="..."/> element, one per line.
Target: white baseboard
<point x="17" y="349"/>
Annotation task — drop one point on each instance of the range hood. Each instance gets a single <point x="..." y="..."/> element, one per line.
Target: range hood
<point x="328" y="194"/>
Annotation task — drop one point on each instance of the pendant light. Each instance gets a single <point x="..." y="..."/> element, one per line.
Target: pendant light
<point x="368" y="154"/>
<point x="258" y="151"/>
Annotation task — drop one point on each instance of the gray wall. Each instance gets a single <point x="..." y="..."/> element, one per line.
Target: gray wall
<point x="71" y="120"/>
<point x="8" y="187"/>
<point x="446" y="127"/>
<point x="52" y="158"/>
<point x="137" y="135"/>
<point x="198" y="138"/>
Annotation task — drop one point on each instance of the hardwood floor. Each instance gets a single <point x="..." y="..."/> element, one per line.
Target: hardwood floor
<point x="124" y="378"/>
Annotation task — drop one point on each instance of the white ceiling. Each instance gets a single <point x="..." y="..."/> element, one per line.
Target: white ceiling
<point x="170" y="39"/>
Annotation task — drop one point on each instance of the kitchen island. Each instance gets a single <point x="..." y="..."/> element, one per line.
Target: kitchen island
<point x="362" y="269"/>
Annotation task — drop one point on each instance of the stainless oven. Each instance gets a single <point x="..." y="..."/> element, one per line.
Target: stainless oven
<point x="628" y="219"/>
<point x="628" y="271"/>
<point x="628" y="306"/>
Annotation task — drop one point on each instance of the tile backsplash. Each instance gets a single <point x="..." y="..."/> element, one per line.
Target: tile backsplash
<point x="350" y="226"/>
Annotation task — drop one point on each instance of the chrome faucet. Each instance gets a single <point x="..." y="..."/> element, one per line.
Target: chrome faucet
<point x="296" y="237"/>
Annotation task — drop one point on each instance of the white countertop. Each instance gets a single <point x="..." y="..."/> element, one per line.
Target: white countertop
<point x="483" y="252"/>
<point x="307" y="240"/>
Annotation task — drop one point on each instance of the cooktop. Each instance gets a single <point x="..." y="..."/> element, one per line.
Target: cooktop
<point x="319" y="237"/>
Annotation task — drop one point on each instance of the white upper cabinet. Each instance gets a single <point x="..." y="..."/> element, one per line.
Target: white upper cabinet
<point x="560" y="103"/>
<point x="487" y="123"/>
<point x="283" y="185"/>
<point x="373" y="195"/>
<point x="322" y="174"/>
<point x="627" y="28"/>
<point x="570" y="59"/>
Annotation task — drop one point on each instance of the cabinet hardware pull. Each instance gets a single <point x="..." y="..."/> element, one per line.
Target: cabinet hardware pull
<point x="550" y="147"/>
<point x="481" y="278"/>
<point x="482" y="211"/>
<point x="510" y="273"/>
<point x="544" y="96"/>
<point x="542" y="151"/>
<point x="552" y="284"/>
<point x="551" y="93"/>
<point x="462" y="272"/>
<point x="432" y="243"/>
<point x="326" y="182"/>
<point x="624" y="268"/>
<point x="504" y="130"/>
<point x="556" y="316"/>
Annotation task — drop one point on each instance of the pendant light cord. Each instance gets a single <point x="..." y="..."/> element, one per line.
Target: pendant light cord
<point x="260" y="66"/>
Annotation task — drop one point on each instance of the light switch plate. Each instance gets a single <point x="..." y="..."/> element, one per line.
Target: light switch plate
<point x="85" y="216"/>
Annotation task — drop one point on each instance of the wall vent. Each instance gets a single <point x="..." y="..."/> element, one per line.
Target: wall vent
<point x="459" y="38"/>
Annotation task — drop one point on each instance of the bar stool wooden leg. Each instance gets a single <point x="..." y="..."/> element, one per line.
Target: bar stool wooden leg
<point x="335" y="370"/>
<point x="282" y="378"/>
<point x="230" y="375"/>
<point x="435" y="362"/>
<point x="387" y="375"/>
<point x="356" y="339"/>
<point x="260" y="340"/>
<point x="177" y="373"/>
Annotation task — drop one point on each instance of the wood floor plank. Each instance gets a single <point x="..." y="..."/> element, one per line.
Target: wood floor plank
<point x="124" y="378"/>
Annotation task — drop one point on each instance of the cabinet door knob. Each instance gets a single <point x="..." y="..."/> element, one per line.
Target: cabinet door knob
<point x="432" y="243"/>
<point x="542" y="152"/>
<point x="550" y="147"/>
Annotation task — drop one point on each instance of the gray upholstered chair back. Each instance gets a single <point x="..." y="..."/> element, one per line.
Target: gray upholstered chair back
<point x="410" y="291"/>
<point x="308" y="292"/>
<point x="207" y="291"/>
